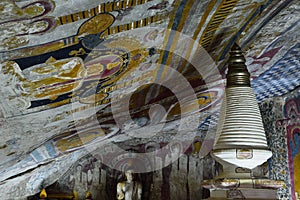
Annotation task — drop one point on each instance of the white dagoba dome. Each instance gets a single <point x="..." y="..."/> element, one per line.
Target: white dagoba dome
<point x="240" y="138"/>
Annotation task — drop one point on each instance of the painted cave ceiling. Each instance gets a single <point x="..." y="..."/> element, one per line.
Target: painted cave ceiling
<point x="89" y="76"/>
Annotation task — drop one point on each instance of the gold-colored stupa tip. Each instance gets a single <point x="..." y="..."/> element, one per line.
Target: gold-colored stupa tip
<point x="238" y="75"/>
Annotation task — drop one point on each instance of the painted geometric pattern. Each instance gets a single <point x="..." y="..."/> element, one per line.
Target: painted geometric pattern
<point x="283" y="77"/>
<point x="271" y="111"/>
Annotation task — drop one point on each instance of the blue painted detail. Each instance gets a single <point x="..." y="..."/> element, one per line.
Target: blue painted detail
<point x="36" y="156"/>
<point x="282" y="78"/>
<point x="170" y="39"/>
<point x="205" y="124"/>
<point x="51" y="151"/>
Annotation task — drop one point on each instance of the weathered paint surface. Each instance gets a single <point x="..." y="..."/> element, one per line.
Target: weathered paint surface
<point x="66" y="65"/>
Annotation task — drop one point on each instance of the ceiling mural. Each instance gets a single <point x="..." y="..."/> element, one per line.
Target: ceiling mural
<point x="79" y="73"/>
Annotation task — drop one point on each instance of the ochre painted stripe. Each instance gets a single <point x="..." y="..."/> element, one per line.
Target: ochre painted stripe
<point x="61" y="20"/>
<point x="167" y="36"/>
<point x="85" y="14"/>
<point x="134" y="2"/>
<point x="101" y="8"/>
<point x="133" y="25"/>
<point x="81" y="15"/>
<point x="53" y="46"/>
<point x="224" y="9"/>
<point x="109" y="7"/>
<point x="176" y="37"/>
<point x="92" y="12"/>
<point x="73" y="17"/>
<point x="69" y="19"/>
<point x="214" y="24"/>
<point x="114" y="6"/>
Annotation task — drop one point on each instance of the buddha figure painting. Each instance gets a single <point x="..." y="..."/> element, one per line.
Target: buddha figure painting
<point x="55" y="78"/>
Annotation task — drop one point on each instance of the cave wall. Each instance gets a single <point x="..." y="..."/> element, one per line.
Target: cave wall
<point x="181" y="179"/>
<point x="281" y="120"/>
